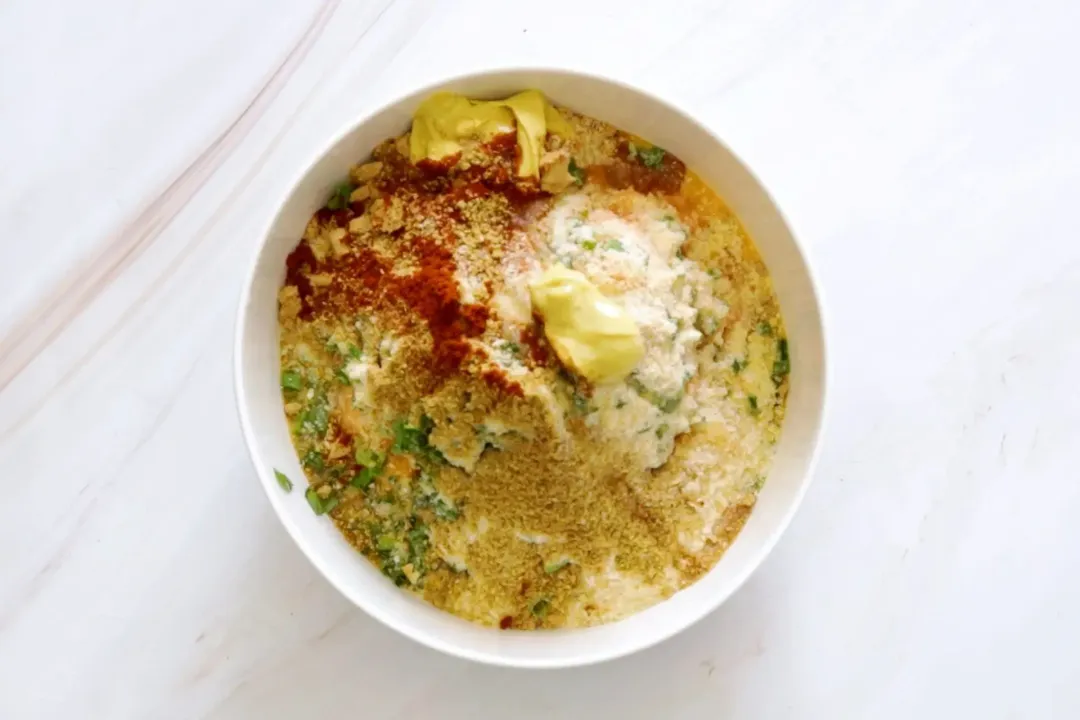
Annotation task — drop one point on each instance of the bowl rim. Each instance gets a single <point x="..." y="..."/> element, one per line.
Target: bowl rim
<point x="264" y="474"/>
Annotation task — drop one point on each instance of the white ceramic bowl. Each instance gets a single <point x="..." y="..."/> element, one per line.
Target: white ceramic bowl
<point x="267" y="434"/>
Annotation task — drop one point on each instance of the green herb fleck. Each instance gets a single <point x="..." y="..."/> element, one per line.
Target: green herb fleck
<point x="365" y="477"/>
<point x="318" y="504"/>
<point x="315" y="420"/>
<point x="782" y="365"/>
<point x="418" y="539"/>
<point x="620" y="404"/>
<point x="752" y="399"/>
<point x="340" y="198"/>
<point x="661" y="430"/>
<point x="759" y="482"/>
<point x="540" y="608"/>
<point x="652" y="157"/>
<point x="429" y="497"/>
<point x="283" y="480"/>
<point x="445" y="511"/>
<point x="341" y="377"/>
<point x="588" y="244"/>
<point x="386" y="542"/>
<point x="663" y="403"/>
<point x="615" y="245"/>
<point x="765" y="329"/>
<point x="581" y="403"/>
<point x="577" y="172"/>
<point x="313" y="459"/>
<point x="737" y="365"/>
<point x="513" y="348"/>
<point x="368" y="457"/>
<point x="410" y="439"/>
<point x="553" y="567"/>
<point x="292" y="380"/>
<point x="354" y="351"/>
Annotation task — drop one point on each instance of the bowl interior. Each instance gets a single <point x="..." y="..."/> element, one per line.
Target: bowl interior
<point x="267" y="434"/>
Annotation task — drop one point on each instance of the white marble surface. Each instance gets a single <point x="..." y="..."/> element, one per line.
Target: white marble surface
<point x="928" y="152"/>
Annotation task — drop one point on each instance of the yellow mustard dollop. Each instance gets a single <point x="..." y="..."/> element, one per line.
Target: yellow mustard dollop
<point x="590" y="333"/>
<point x="445" y="119"/>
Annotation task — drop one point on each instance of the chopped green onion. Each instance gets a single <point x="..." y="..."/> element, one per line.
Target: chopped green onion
<point x="409" y="439"/>
<point x="588" y="244"/>
<point x="341" y="377"/>
<point x="340" y="197"/>
<point x="577" y="172"/>
<point x="554" y="567"/>
<point x="292" y="380"/>
<point x="365" y="477"/>
<point x="313" y="459"/>
<point x="354" y="351"/>
<point x="445" y="511"/>
<point x="283" y="480"/>
<point x="782" y="364"/>
<point x="318" y="505"/>
<point x="368" y="457"/>
<point x="615" y="245"/>
<point x="540" y="608"/>
<point x="753" y="404"/>
<point x="765" y="329"/>
<point x="386" y="542"/>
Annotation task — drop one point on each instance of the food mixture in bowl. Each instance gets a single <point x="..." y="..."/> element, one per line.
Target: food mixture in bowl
<point x="534" y="368"/>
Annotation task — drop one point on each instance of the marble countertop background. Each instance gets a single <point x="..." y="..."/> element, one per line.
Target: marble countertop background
<point x="927" y="152"/>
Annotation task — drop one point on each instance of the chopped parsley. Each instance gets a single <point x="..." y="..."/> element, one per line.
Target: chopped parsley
<point x="513" y="348"/>
<point x="339" y="200"/>
<point x="577" y="172"/>
<point x="615" y="245"/>
<point x="341" y="377"/>
<point x="652" y="157"/>
<point x="737" y="365"/>
<point x="292" y="380"/>
<point x="283" y="480"/>
<point x="663" y="403"/>
<point x="782" y="365"/>
<point x="354" y="351"/>
<point x="752" y="399"/>
<point x="588" y="244"/>
<point x="765" y="329"/>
